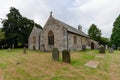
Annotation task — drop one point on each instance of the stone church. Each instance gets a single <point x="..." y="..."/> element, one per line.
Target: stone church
<point x="57" y="34"/>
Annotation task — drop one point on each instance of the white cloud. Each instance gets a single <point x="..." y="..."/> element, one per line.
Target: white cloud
<point x="93" y="5"/>
<point x="100" y="12"/>
<point x="74" y="12"/>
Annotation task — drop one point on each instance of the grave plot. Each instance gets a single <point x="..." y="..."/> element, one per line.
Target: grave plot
<point x="92" y="64"/>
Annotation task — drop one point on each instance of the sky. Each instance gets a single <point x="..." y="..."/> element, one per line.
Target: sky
<point x="73" y="12"/>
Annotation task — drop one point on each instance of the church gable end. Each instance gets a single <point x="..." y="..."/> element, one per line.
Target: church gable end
<point x="34" y="38"/>
<point x="54" y="35"/>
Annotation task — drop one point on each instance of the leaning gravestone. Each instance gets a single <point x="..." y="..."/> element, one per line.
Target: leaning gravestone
<point x="101" y="49"/>
<point x="110" y="50"/>
<point x="83" y="47"/>
<point x="66" y="56"/>
<point x="55" y="54"/>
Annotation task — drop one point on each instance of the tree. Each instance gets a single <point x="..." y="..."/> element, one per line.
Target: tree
<point x="1" y="34"/>
<point x="17" y="28"/>
<point x="94" y="33"/>
<point x="25" y="29"/>
<point x="10" y="26"/>
<point x="105" y="41"/>
<point x="2" y="38"/>
<point x="115" y="36"/>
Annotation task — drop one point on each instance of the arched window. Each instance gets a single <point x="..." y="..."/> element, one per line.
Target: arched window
<point x="50" y="38"/>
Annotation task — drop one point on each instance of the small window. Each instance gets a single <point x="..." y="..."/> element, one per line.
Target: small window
<point x="50" y="38"/>
<point x="75" y="39"/>
<point x="34" y="39"/>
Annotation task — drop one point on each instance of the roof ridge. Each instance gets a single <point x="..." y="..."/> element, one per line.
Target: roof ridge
<point x="64" y="22"/>
<point x="70" y="28"/>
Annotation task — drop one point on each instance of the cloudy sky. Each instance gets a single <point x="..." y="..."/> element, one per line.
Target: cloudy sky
<point x="73" y="12"/>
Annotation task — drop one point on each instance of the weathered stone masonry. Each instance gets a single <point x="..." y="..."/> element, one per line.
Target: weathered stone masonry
<point x="34" y="39"/>
<point x="57" y="34"/>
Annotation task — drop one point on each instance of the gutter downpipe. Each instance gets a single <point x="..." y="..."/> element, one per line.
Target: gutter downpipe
<point x="67" y="40"/>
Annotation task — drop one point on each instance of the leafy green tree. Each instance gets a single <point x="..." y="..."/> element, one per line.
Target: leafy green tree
<point x="17" y="28"/>
<point x="105" y="41"/>
<point x="94" y="33"/>
<point x="115" y="36"/>
<point x="10" y="26"/>
<point x="25" y="29"/>
<point x="2" y="38"/>
<point x="1" y="34"/>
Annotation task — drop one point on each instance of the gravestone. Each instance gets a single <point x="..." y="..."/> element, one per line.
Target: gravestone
<point x="83" y="47"/>
<point x="66" y="56"/>
<point x="10" y="49"/>
<point x="113" y="46"/>
<point x="24" y="50"/>
<point x="101" y="49"/>
<point x="118" y="48"/>
<point x="2" y="47"/>
<point x="55" y="54"/>
<point x="12" y="46"/>
<point x="110" y="50"/>
<point x="34" y="47"/>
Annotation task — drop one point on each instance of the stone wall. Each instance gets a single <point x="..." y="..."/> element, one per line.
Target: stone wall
<point x="79" y="42"/>
<point x="35" y="32"/>
<point x="59" y="32"/>
<point x="63" y="39"/>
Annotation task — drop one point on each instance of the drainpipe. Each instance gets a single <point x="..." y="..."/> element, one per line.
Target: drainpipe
<point x="67" y="40"/>
<point x="39" y="42"/>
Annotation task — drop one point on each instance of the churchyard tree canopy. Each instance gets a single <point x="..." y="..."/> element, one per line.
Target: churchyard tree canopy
<point x="115" y="36"/>
<point x="94" y="33"/>
<point x="17" y="28"/>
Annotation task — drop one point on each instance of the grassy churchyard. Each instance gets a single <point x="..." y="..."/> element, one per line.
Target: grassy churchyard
<point x="36" y="65"/>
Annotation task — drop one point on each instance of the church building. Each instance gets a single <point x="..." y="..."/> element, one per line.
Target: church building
<point x="57" y="34"/>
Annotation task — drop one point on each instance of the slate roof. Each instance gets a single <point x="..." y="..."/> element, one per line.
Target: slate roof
<point x="72" y="29"/>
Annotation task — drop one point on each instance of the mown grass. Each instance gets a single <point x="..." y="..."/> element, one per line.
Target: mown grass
<point x="36" y="65"/>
